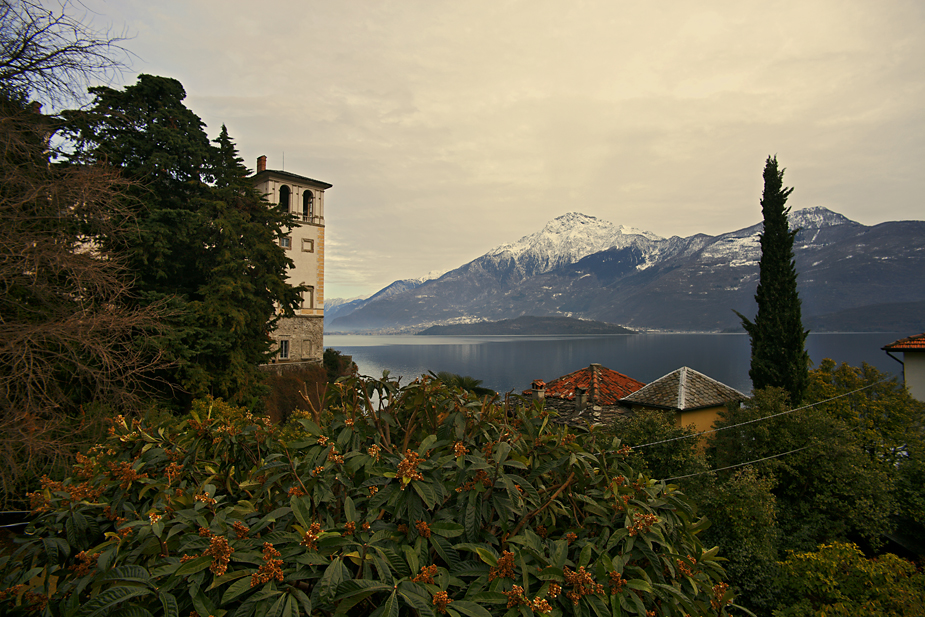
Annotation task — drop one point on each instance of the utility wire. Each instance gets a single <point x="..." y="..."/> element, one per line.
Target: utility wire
<point x="733" y="466"/>
<point x="723" y="428"/>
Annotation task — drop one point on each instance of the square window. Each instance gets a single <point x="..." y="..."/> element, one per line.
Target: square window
<point x="308" y="246"/>
<point x="285" y="242"/>
<point x="284" y="350"/>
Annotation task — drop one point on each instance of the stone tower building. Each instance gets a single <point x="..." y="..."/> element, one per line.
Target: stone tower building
<point x="299" y="339"/>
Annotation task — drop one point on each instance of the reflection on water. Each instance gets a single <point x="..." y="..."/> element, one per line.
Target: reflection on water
<point x="506" y="363"/>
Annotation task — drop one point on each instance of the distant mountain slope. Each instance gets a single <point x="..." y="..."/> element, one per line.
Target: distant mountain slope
<point x="643" y="281"/>
<point x="887" y="317"/>
<point x="338" y="308"/>
<point x="529" y="325"/>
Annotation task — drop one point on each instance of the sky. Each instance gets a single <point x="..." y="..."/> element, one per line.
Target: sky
<point x="448" y="128"/>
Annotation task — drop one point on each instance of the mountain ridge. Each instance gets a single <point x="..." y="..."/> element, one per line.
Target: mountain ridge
<point x="643" y="281"/>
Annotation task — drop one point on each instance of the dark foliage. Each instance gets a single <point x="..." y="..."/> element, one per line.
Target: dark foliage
<point x="411" y="501"/>
<point x="779" y="357"/>
<point x="204" y="241"/>
<point x="337" y="364"/>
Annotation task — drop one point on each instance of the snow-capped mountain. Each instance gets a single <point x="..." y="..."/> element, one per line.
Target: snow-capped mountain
<point x="565" y="240"/>
<point x="581" y="266"/>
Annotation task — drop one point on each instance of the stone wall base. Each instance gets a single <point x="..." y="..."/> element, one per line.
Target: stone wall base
<point x="304" y="339"/>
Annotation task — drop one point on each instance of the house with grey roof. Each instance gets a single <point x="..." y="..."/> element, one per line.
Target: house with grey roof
<point x="691" y="396"/>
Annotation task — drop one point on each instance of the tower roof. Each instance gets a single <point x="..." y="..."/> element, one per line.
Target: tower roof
<point x="682" y="390"/>
<point x="285" y="175"/>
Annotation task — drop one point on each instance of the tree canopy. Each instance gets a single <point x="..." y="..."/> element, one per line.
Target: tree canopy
<point x="205" y="242"/>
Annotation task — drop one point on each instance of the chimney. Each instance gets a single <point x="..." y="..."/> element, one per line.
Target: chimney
<point x="581" y="398"/>
<point x="539" y="390"/>
<point x="261" y="163"/>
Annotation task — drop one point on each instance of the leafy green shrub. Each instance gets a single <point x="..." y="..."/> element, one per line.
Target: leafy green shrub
<point x="682" y="457"/>
<point x="412" y="500"/>
<point x="827" y="489"/>
<point x="743" y="524"/>
<point x="838" y="580"/>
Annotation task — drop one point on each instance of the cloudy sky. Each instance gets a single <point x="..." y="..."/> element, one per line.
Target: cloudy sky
<point x="450" y="127"/>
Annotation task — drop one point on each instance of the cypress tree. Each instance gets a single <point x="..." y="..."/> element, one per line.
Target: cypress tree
<point x="777" y="336"/>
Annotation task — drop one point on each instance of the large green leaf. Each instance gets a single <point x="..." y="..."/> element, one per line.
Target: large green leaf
<point x="447" y="529"/>
<point x="276" y="610"/>
<point x="415" y="601"/>
<point x="169" y="604"/>
<point x="488" y="597"/>
<point x="194" y="565"/>
<point x="236" y="590"/>
<point x="302" y="508"/>
<point x="470" y="608"/>
<point x="131" y="573"/>
<point x="446" y="551"/>
<point x="107" y="600"/>
<point x="353" y="587"/>
<point x="426" y="492"/>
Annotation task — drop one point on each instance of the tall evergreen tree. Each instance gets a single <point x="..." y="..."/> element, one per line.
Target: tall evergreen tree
<point x="777" y="336"/>
<point x="205" y="242"/>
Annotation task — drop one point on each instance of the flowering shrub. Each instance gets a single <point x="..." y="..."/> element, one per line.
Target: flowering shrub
<point x="412" y="500"/>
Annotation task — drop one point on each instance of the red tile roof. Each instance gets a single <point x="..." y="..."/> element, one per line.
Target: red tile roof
<point x="603" y="386"/>
<point x="911" y="343"/>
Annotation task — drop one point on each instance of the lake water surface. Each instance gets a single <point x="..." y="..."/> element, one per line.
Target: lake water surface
<point x="506" y="363"/>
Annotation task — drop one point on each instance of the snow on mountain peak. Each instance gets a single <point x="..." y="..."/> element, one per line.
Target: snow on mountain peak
<point x="433" y="274"/>
<point x="568" y="238"/>
<point x="817" y="217"/>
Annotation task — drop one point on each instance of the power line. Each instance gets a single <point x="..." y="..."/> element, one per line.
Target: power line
<point x="723" y="428"/>
<point x="732" y="466"/>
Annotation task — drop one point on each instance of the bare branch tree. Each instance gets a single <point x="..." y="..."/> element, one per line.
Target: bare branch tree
<point x="73" y="344"/>
<point x="53" y="55"/>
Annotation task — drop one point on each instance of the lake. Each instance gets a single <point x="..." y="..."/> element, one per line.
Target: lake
<point x="505" y="363"/>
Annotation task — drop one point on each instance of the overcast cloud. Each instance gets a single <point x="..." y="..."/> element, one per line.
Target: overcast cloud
<point x="450" y="127"/>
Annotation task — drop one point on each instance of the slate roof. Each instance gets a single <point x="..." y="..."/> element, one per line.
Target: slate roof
<point x="683" y="390"/>
<point x="603" y="385"/>
<point x="910" y="343"/>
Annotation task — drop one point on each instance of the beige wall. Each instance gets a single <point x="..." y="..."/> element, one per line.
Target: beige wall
<point x="306" y="248"/>
<point x="702" y="419"/>
<point x="304" y="333"/>
<point x="914" y="373"/>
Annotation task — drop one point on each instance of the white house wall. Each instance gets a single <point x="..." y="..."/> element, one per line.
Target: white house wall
<point x="914" y="373"/>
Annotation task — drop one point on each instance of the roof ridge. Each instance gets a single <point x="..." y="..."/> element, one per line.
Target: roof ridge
<point x="682" y="387"/>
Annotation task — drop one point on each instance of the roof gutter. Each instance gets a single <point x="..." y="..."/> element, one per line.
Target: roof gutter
<point x="895" y="358"/>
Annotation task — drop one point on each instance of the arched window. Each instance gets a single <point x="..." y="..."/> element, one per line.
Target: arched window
<point x="308" y="206"/>
<point x="284" y="193"/>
